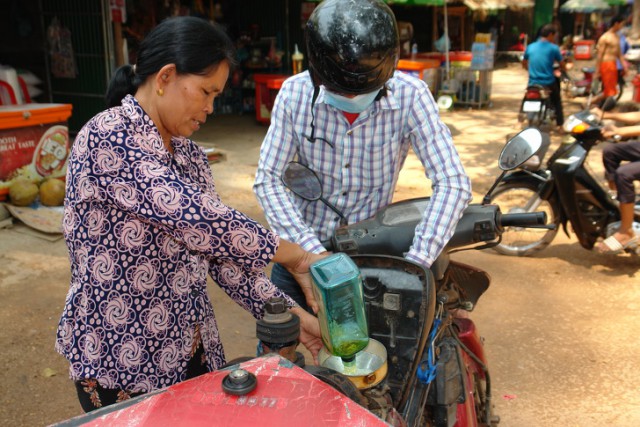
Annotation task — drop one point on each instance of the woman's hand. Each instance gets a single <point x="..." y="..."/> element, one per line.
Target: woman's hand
<point x="300" y="271"/>
<point x="309" y="332"/>
<point x="297" y="262"/>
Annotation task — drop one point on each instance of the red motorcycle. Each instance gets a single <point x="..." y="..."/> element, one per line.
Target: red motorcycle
<point x="424" y="365"/>
<point x="536" y="109"/>
<point x="575" y="84"/>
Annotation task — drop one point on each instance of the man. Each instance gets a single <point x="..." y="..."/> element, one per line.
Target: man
<point x="352" y="119"/>
<point x="539" y="59"/>
<point x="621" y="177"/>
<point x="608" y="56"/>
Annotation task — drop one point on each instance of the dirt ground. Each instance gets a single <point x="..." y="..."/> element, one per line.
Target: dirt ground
<point x="560" y="328"/>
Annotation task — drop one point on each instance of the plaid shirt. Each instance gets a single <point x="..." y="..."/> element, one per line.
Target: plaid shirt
<point x="360" y="172"/>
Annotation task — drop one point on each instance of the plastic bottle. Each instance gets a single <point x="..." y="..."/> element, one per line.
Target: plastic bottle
<point x="338" y="290"/>
<point x="296" y="60"/>
<point x="414" y="50"/>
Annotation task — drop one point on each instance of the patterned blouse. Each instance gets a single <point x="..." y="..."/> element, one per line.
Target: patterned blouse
<point x="143" y="228"/>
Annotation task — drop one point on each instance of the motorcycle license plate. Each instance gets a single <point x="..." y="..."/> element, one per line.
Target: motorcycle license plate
<point x="531" y="106"/>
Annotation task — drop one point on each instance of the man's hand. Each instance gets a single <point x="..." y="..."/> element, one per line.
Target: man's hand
<point x="610" y="132"/>
<point x="300" y="271"/>
<point x="309" y="332"/>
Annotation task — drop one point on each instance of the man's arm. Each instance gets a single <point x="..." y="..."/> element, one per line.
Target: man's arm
<point x="623" y="62"/>
<point x="432" y="143"/>
<point x="630" y="118"/>
<point x="525" y="59"/>
<point x="623" y="132"/>
<point x="278" y="149"/>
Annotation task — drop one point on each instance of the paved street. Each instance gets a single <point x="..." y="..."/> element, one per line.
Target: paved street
<point x="559" y="328"/>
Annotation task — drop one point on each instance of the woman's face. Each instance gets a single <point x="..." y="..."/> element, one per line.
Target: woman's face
<point x="188" y="100"/>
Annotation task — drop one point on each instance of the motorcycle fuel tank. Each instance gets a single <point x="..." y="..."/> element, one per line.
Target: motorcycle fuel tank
<point x="285" y="394"/>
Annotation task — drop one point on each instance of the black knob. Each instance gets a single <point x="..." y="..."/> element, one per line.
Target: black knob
<point x="239" y="382"/>
<point x="275" y="306"/>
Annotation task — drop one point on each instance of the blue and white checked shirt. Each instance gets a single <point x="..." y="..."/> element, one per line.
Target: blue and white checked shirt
<point x="360" y="173"/>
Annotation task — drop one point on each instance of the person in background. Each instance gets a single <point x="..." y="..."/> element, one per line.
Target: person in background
<point x="608" y="56"/>
<point x="352" y="119"/>
<point x="540" y="58"/>
<point x="144" y="227"/>
<point x="624" y="48"/>
<point x="621" y="177"/>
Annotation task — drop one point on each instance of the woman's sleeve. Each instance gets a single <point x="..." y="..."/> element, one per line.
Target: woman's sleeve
<point x="249" y="289"/>
<point x="118" y="169"/>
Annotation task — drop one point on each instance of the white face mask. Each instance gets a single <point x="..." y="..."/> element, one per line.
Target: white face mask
<point x="357" y="104"/>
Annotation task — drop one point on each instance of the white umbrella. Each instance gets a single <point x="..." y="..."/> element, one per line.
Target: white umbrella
<point x="585" y="6"/>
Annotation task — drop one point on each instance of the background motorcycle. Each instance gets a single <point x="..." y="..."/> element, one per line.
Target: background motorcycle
<point x="438" y="373"/>
<point x="565" y="190"/>
<point x="575" y="84"/>
<point x="536" y="109"/>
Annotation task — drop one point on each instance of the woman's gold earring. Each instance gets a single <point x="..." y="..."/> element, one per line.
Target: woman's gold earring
<point x="160" y="92"/>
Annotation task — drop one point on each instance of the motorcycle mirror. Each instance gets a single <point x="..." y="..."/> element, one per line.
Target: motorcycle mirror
<point x="520" y="148"/>
<point x="302" y="181"/>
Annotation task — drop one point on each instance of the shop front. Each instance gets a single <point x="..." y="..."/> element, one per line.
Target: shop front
<point x="101" y="35"/>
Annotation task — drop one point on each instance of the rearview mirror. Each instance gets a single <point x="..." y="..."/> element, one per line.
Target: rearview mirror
<point x="520" y="148"/>
<point x="302" y="181"/>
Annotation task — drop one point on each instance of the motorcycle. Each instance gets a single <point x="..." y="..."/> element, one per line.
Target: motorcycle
<point x="438" y="375"/>
<point x="584" y="85"/>
<point x="536" y="109"/>
<point x="565" y="190"/>
<point x="428" y="366"/>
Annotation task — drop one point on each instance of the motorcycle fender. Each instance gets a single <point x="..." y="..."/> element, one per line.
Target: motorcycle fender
<point x="471" y="280"/>
<point x="572" y="181"/>
<point x="520" y="176"/>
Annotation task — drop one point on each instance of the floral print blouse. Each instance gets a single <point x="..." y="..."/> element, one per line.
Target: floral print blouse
<point x="143" y="228"/>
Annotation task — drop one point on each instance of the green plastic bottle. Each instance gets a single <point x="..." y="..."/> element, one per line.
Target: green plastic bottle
<point x="338" y="290"/>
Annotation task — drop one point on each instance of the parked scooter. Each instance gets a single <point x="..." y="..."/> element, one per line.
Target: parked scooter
<point x="565" y="190"/>
<point x="438" y="373"/>
<point x="428" y="368"/>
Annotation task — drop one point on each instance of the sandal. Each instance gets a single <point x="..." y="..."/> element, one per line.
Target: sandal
<point x="613" y="247"/>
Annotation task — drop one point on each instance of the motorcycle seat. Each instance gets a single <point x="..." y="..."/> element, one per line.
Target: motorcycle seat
<point x="536" y="91"/>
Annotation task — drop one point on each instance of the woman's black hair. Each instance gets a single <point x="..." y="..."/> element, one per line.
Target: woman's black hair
<point x="194" y="45"/>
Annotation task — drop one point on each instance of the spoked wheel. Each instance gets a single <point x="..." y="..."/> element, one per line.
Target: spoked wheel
<point x="521" y="197"/>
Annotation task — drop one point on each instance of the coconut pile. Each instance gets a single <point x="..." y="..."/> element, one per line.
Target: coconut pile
<point x="24" y="192"/>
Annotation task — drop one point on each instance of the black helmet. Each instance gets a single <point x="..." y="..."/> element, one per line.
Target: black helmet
<point x="353" y="45"/>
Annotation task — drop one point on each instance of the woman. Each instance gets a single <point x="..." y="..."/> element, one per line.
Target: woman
<point x="144" y="225"/>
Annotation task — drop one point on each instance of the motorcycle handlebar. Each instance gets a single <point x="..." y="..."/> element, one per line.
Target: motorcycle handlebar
<point x="523" y="219"/>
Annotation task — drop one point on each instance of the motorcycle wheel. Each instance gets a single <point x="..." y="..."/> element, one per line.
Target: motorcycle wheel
<point x="520" y="197"/>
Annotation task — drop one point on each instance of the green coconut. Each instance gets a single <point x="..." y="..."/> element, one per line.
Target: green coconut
<point x="23" y="192"/>
<point x="52" y="192"/>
